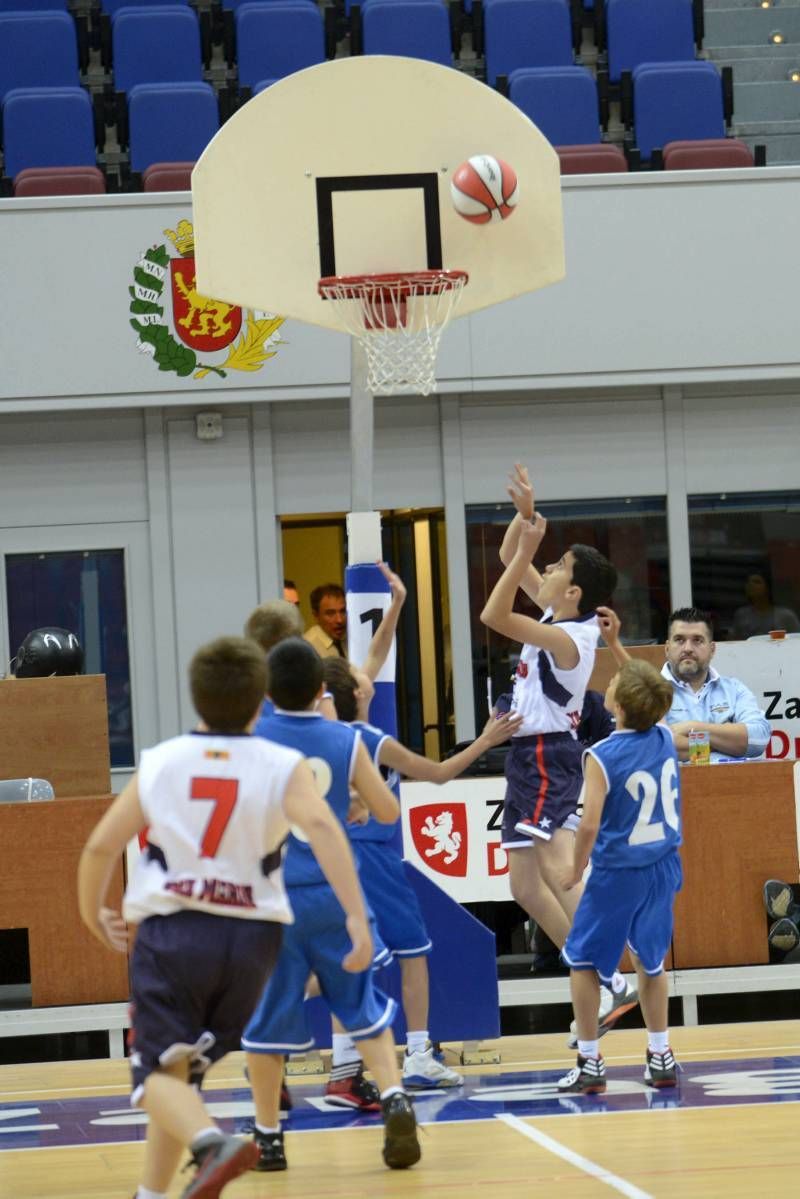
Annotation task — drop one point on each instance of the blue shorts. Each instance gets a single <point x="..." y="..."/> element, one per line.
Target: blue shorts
<point x="195" y="979"/>
<point x="316" y="943"/>
<point x="629" y="906"/>
<point x="392" y="899"/>
<point x="544" y="777"/>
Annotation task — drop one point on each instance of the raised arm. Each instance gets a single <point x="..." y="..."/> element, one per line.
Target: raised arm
<point x="499" y="613"/>
<point x="521" y="493"/>
<point x="381" y="642"/>
<point x="369" y="784"/>
<point x="417" y="766"/>
<point x="610" y="626"/>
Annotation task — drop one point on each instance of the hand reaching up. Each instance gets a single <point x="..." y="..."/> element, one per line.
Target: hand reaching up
<point x="521" y="491"/>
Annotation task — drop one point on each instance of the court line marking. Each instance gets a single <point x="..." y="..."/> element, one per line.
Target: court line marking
<point x="574" y="1159"/>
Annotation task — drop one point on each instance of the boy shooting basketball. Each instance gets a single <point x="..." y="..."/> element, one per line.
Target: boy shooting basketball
<point x="543" y="766"/>
<point x="209" y="900"/>
<point x="631" y="829"/>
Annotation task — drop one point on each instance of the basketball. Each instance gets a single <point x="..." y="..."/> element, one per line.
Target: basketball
<point x="484" y="189"/>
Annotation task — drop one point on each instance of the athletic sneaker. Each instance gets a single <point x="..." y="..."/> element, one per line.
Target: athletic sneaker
<point x="661" y="1069"/>
<point x="588" y="1077"/>
<point x="611" y="1008"/>
<point x="400" y="1145"/>
<point x="271" y="1153"/>
<point x="353" y="1091"/>
<point x="784" y="935"/>
<point x="778" y="899"/>
<point x="422" y="1071"/>
<point x="218" y="1163"/>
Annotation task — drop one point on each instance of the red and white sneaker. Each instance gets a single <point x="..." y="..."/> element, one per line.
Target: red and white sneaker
<point x="354" y="1091"/>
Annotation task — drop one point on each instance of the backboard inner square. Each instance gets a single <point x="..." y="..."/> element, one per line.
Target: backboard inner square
<point x="379" y="231"/>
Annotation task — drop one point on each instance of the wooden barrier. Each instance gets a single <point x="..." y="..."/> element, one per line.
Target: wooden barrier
<point x="56" y="729"/>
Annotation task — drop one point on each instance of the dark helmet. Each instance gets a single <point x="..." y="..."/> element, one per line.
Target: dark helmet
<point x="48" y="652"/>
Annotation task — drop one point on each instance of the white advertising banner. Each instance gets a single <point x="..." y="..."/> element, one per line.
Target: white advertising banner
<point x="771" y="669"/>
<point x="451" y="834"/>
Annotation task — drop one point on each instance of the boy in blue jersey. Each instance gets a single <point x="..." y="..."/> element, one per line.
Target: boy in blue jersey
<point x="318" y="941"/>
<point x="389" y="894"/>
<point x="631" y="829"/>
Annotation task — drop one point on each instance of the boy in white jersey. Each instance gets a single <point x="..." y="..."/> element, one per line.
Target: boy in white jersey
<point x="631" y="828"/>
<point x="543" y="765"/>
<point x="209" y="900"/>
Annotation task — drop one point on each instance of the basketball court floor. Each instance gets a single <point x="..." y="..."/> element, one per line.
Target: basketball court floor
<point x="732" y="1127"/>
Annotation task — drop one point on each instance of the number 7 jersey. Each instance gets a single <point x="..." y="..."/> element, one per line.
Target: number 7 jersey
<point x="641" y="820"/>
<point x="216" y="826"/>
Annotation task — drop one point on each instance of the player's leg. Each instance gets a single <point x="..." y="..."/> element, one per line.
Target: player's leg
<point x="649" y="941"/>
<point x="533" y="894"/>
<point x="163" y="1151"/>
<point x="347" y="1086"/>
<point x="555" y="859"/>
<point x="401" y="1147"/>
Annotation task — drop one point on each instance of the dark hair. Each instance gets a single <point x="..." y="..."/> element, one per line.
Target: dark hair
<point x="691" y="616"/>
<point x="643" y="694"/>
<point x="342" y="685"/>
<point x="273" y="622"/>
<point x="319" y="593"/>
<point x="595" y="576"/>
<point x="228" y="678"/>
<point x="294" y="674"/>
<point x="290" y="583"/>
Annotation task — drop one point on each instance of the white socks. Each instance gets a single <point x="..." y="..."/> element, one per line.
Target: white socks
<point x="416" y="1042"/>
<point x="143" y="1193"/>
<point x="588" y="1049"/>
<point x="344" y="1050"/>
<point x="658" y="1042"/>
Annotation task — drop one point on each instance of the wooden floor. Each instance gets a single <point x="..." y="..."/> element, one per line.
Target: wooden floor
<point x="739" y="1150"/>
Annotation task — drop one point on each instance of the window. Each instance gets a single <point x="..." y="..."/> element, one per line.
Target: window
<point x="83" y="591"/>
<point x="632" y="533"/>
<point x="744" y="555"/>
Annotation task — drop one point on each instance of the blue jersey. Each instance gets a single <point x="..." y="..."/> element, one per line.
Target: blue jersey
<point x="641" y="820"/>
<point x="331" y="752"/>
<point x="373" y="830"/>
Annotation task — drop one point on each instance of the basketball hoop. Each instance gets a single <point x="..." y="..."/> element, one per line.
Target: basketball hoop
<point x="399" y="319"/>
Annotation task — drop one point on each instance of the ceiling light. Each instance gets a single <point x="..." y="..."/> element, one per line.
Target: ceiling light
<point x="777" y="38"/>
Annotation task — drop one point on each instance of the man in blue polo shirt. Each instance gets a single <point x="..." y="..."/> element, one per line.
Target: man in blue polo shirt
<point x="704" y="701"/>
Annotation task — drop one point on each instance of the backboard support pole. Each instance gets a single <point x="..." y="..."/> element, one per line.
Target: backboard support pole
<point x="362" y="431"/>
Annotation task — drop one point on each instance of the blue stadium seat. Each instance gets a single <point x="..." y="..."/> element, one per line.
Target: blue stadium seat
<point x="48" y="127"/>
<point x="37" y="49"/>
<point x="232" y="5"/>
<point x="32" y="5"/>
<point x="109" y="7"/>
<point x="170" y="122"/>
<point x="677" y="101"/>
<point x="526" y="33"/>
<point x="412" y="29"/>
<point x="561" y="101"/>
<point x="159" y="44"/>
<point x="262" y="85"/>
<point x="642" y="31"/>
<point x="275" y="39"/>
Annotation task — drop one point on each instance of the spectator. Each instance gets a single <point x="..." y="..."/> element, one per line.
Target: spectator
<point x="759" y="615"/>
<point x="290" y="592"/>
<point x="704" y="701"/>
<point x="328" y="634"/>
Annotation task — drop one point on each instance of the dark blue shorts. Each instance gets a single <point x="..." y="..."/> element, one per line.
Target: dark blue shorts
<point x="392" y="899"/>
<point x="629" y="906"/>
<point x="544" y="777"/>
<point x="195" y="981"/>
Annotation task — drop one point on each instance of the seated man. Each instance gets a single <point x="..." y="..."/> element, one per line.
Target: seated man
<point x="704" y="701"/>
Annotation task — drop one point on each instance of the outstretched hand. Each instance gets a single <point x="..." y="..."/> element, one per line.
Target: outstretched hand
<point x="499" y="728"/>
<point x="396" y="584"/>
<point x="610" y="625"/>
<point x="531" y="533"/>
<point x="521" y="491"/>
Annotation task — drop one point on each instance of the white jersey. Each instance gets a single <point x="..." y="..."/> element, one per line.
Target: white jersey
<point x="549" y="699"/>
<point x="216" y="826"/>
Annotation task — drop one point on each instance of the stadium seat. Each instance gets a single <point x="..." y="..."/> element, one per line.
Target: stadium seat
<point x="706" y="154"/>
<point x="642" y="31"/>
<point x="59" y="181"/>
<point x="159" y="44"/>
<point x="170" y="122"/>
<point x="676" y="101"/>
<point x="48" y="127"/>
<point x="561" y="101"/>
<point x="32" y="5"/>
<point x="109" y="7"/>
<point x="275" y="39"/>
<point x="591" y="160"/>
<point x="410" y="28"/>
<point x="167" y="177"/>
<point x="37" y="49"/>
<point x="526" y="33"/>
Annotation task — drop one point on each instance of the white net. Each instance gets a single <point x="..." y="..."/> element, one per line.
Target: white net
<point x="399" y="320"/>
